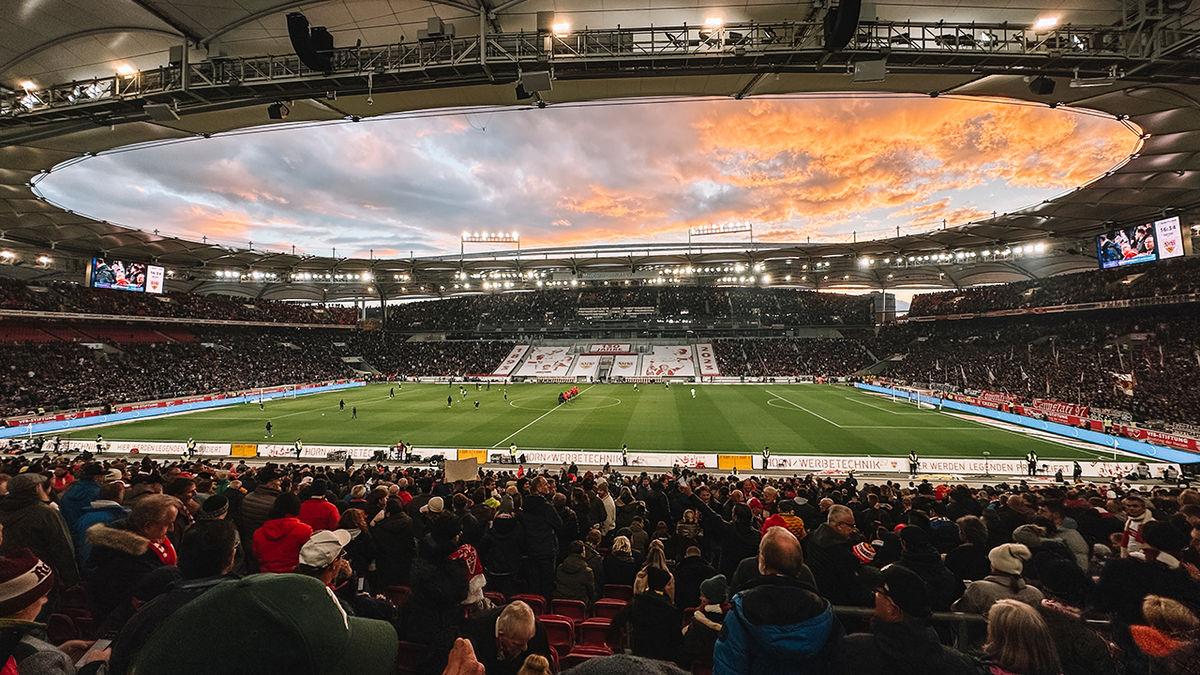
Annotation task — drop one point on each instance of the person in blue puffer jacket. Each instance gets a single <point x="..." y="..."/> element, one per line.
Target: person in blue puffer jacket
<point x="81" y="494"/>
<point x="108" y="507"/>
<point x="778" y="622"/>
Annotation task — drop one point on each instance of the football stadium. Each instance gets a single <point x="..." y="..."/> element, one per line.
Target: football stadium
<point x="519" y="336"/>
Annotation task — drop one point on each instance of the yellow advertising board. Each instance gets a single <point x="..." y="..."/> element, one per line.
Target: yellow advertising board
<point x="731" y="462"/>
<point x="244" y="450"/>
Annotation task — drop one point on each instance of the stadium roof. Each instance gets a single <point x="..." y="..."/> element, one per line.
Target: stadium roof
<point x="63" y="98"/>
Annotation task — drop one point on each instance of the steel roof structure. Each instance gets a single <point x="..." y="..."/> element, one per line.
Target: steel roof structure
<point x="197" y="68"/>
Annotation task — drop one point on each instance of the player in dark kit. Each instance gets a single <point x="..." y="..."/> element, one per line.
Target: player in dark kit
<point x="354" y="413"/>
<point x="342" y="404"/>
<point x="268" y="434"/>
<point x="449" y="401"/>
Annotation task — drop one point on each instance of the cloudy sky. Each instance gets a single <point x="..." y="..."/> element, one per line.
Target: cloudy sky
<point x="795" y="168"/>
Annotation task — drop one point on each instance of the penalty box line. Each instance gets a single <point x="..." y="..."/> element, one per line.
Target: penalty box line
<point x="535" y="421"/>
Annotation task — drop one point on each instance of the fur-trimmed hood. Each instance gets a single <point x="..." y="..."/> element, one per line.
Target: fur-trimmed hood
<point x="118" y="538"/>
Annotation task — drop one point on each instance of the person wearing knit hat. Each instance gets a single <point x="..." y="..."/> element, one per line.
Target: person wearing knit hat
<point x="704" y="625"/>
<point x="902" y="640"/>
<point x="25" y="583"/>
<point x="1005" y="581"/>
<point x="215" y="507"/>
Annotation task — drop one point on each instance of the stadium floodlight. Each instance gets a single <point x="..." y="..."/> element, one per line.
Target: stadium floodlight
<point x="489" y="238"/>
<point x="1045" y="23"/>
<point x="713" y="22"/>
<point x="125" y="70"/>
<point x="29" y="85"/>
<point x="561" y="29"/>
<point x="7" y="255"/>
<point x="1039" y="247"/>
<point x="44" y="260"/>
<point x="766" y="278"/>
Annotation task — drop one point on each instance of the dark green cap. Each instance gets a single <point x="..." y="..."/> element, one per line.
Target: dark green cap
<point x="268" y="623"/>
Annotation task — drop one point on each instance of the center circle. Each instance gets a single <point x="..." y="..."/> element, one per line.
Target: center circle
<point x="573" y="404"/>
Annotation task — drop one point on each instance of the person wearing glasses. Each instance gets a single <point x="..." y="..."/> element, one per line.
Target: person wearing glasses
<point x="829" y="551"/>
<point x="902" y="634"/>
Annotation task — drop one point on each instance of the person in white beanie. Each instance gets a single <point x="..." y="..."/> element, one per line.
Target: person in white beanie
<point x="1005" y="581"/>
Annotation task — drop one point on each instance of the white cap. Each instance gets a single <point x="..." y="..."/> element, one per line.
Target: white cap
<point x="435" y="505"/>
<point x="324" y="547"/>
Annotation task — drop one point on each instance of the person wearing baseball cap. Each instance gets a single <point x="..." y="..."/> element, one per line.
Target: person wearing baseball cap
<point x="903" y="640"/>
<point x="323" y="557"/>
<point x="268" y="623"/>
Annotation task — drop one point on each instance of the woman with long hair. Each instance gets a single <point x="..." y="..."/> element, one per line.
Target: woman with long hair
<point x="1018" y="642"/>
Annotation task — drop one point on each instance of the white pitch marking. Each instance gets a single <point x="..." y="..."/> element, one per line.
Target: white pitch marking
<point x="535" y="421"/>
<point x="872" y="405"/>
<point x="805" y="409"/>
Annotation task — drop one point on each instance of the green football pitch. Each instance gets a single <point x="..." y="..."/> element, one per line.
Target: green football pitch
<point x="804" y="419"/>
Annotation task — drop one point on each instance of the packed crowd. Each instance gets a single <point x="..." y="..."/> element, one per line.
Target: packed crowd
<point x="66" y="375"/>
<point x="790" y="357"/>
<point x="1139" y="281"/>
<point x="1074" y="358"/>
<point x="695" y="305"/>
<point x="68" y="297"/>
<point x="206" y="567"/>
<point x="393" y="355"/>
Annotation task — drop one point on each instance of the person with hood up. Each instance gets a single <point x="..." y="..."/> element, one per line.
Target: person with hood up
<point x="502" y="547"/>
<point x="1005" y="581"/>
<point x="1171" y="636"/>
<point x="30" y="522"/>
<point x="1080" y="649"/>
<point x="574" y="579"/>
<point x="778" y="623"/>
<point x="277" y="543"/>
<point x="105" y="509"/>
<point x="902" y="642"/>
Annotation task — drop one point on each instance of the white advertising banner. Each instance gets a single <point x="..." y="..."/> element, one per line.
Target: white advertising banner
<point x="708" y="360"/>
<point x="511" y="361"/>
<point x="674" y="361"/>
<point x="611" y="348"/>
<point x="586" y="366"/>
<point x="546" y="362"/>
<point x="624" y="366"/>
<point x="939" y="466"/>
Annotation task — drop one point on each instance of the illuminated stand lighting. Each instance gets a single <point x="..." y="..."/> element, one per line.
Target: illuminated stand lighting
<point x="721" y="228"/>
<point x="513" y="238"/>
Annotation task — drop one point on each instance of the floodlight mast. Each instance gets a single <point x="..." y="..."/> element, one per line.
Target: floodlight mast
<point x="513" y="237"/>
<point x="721" y="228"/>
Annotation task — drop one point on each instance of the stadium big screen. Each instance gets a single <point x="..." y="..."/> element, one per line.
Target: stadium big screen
<point x="1140" y="243"/>
<point x="124" y="275"/>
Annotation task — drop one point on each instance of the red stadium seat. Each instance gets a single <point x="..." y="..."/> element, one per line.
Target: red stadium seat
<point x="560" y="631"/>
<point x="399" y="595"/>
<point x="409" y="657"/>
<point x="536" y="602"/>
<point x="607" y="607"/>
<point x="61" y="628"/>
<point x="575" y="609"/>
<point x="618" y="592"/>
<point x="581" y="654"/>
<point x="496" y="597"/>
<point x="593" y="632"/>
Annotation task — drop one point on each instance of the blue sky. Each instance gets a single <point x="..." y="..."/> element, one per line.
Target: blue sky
<point x="795" y="168"/>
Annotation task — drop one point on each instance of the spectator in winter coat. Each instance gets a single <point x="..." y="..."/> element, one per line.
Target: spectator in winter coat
<point x="1170" y="638"/>
<point x="125" y="551"/>
<point x="277" y="543"/>
<point x="902" y="641"/>
<point x="29" y="522"/>
<point x="1152" y="569"/>
<point x="1080" y="650"/>
<point x="25" y="584"/>
<point x="1005" y="581"/>
<point x="395" y="546"/>
<point x="105" y="509"/>
<point x="653" y="620"/>
<point x="778" y="624"/>
<point x="591" y="555"/>
<point x="502" y="549"/>
<point x="255" y="508"/>
<point x="620" y="565"/>
<point x="829" y="551"/>
<point x="969" y="561"/>
<point x="919" y="555"/>
<point x="316" y="511"/>
<point x="690" y="573"/>
<point x="738" y="538"/>
<point x="542" y="525"/>
<point x="700" y="633"/>
<point x="574" y="579"/>
<point x="1138" y="515"/>
<point x="81" y="493"/>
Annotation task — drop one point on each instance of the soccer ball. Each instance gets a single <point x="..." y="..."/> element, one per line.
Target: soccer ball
<point x="322" y="414"/>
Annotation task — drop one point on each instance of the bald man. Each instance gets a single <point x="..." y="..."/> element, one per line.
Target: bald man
<point x="778" y="611"/>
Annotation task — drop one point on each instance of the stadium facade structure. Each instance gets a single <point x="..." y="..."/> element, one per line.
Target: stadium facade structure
<point x="1133" y="60"/>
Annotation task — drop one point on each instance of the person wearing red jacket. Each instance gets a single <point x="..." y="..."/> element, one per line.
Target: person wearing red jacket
<point x="316" y="511"/>
<point x="277" y="543"/>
